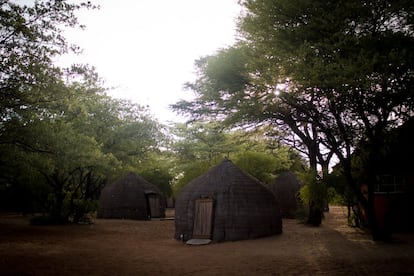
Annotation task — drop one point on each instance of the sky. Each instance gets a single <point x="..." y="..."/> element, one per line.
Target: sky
<point x="146" y="49"/>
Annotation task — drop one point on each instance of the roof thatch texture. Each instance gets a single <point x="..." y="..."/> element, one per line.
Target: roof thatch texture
<point x="286" y="188"/>
<point x="244" y="207"/>
<point x="127" y="198"/>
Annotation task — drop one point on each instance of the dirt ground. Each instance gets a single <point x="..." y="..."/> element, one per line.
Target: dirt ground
<point x="126" y="247"/>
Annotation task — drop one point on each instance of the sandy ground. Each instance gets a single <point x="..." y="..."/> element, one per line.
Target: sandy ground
<point x="125" y="247"/>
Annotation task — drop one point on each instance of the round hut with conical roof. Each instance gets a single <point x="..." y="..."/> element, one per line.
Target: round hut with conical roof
<point x="131" y="197"/>
<point x="226" y="204"/>
<point x="286" y="189"/>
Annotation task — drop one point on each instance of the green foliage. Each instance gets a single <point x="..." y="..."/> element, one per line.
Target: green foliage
<point x="75" y="161"/>
<point x="347" y="66"/>
<point x="160" y="178"/>
<point x="314" y="196"/>
<point x="314" y="190"/>
<point x="188" y="172"/>
<point x="61" y="137"/>
<point x="259" y="164"/>
<point x="335" y="198"/>
<point x="203" y="145"/>
<point x="227" y="71"/>
<point x="199" y="140"/>
<point x="326" y="74"/>
<point x="23" y="192"/>
<point x="158" y="171"/>
<point x="301" y="213"/>
<point x="30" y="38"/>
<point x="339" y="191"/>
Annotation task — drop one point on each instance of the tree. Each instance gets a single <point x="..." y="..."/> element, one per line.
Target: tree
<point x="131" y="134"/>
<point x="331" y="73"/>
<point x="202" y="145"/>
<point x="251" y="100"/>
<point x="78" y="144"/>
<point x="198" y="147"/>
<point x="350" y="64"/>
<point x="259" y="154"/>
<point x="58" y="125"/>
<point x="30" y="85"/>
<point x="30" y="37"/>
<point x="252" y="103"/>
<point x="73" y="167"/>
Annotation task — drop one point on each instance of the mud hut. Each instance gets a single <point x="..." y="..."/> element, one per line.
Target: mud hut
<point x="131" y="197"/>
<point x="286" y="189"/>
<point x="226" y="204"/>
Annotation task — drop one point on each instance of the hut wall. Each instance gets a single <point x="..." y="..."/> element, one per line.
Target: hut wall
<point x="233" y="219"/>
<point x="244" y="208"/>
<point x="246" y="213"/>
<point x="123" y="205"/>
<point x="183" y="218"/>
<point x="126" y="199"/>
<point x="286" y="188"/>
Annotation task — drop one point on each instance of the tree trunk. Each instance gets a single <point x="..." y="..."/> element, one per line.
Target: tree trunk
<point x="56" y="211"/>
<point x="315" y="215"/>
<point x="315" y="211"/>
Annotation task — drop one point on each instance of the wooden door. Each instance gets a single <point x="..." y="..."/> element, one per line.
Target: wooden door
<point x="154" y="205"/>
<point x="203" y="218"/>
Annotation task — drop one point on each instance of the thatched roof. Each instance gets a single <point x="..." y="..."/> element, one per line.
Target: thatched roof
<point x="244" y="208"/>
<point x="286" y="188"/>
<point x="128" y="198"/>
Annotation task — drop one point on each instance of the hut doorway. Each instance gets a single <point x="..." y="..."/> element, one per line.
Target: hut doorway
<point x="154" y="206"/>
<point x="203" y="218"/>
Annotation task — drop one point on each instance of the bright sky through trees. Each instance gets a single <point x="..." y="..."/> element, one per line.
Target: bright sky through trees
<point x="146" y="49"/>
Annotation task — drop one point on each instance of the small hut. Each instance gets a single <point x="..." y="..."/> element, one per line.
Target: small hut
<point x="131" y="197"/>
<point x="226" y="204"/>
<point x="286" y="189"/>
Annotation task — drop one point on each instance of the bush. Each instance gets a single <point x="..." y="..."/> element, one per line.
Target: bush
<point x="314" y="195"/>
<point x="301" y="213"/>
